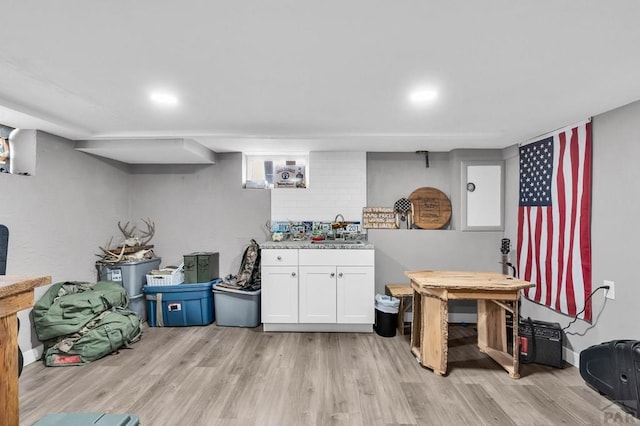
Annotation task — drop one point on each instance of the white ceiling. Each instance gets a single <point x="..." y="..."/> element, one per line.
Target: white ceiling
<point x="295" y="75"/>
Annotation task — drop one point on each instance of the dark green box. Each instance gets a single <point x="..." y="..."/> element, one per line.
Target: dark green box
<point x="201" y="267"/>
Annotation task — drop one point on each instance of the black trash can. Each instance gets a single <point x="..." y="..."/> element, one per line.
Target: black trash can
<point x="386" y="315"/>
<point x="385" y="323"/>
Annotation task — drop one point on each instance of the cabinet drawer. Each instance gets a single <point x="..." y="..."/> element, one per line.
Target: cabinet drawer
<point x="337" y="257"/>
<point x="279" y="257"/>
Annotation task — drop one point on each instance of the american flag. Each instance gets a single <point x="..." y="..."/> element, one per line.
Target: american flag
<point x="554" y="221"/>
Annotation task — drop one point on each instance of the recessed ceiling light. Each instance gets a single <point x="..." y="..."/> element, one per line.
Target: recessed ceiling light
<point x="423" y="96"/>
<point x="163" y="98"/>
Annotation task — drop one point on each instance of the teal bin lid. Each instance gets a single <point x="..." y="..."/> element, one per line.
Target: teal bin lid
<point x="180" y="288"/>
<point x="83" y="419"/>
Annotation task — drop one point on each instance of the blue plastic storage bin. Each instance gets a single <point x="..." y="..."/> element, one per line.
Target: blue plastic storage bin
<point x="180" y="305"/>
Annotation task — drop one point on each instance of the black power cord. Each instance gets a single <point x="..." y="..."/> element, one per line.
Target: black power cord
<point x="605" y="287"/>
<point x="575" y="318"/>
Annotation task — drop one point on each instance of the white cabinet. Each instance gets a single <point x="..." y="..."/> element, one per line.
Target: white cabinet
<point x="334" y="290"/>
<point x="482" y="195"/>
<point x="317" y="294"/>
<point x="337" y="286"/>
<point x="355" y="291"/>
<point x="279" y="295"/>
<point x="336" y="294"/>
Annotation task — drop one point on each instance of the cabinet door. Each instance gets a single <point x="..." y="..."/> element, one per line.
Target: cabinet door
<point x="317" y="294"/>
<point x="279" y="295"/>
<point x="482" y="195"/>
<point x="355" y="294"/>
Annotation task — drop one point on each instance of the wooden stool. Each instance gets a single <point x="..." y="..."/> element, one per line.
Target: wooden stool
<point x="404" y="292"/>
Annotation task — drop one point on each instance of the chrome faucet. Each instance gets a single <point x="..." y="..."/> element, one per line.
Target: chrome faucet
<point x="337" y="216"/>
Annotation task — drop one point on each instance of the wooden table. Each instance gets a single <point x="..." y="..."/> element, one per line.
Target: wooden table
<point x="496" y="294"/>
<point x="16" y="294"/>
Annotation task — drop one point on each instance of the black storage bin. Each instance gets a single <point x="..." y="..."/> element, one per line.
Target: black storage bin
<point x="613" y="369"/>
<point x="385" y="324"/>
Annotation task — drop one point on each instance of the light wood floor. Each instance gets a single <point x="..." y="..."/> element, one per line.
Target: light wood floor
<point x="234" y="376"/>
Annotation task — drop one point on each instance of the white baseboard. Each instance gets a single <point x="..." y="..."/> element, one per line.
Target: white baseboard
<point x="33" y="355"/>
<point x="326" y="328"/>
<point x="571" y="357"/>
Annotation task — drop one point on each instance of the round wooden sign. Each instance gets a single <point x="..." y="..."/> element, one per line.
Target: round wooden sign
<point x="431" y="208"/>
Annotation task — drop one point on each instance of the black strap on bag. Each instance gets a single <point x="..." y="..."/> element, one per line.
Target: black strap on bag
<point x="531" y="354"/>
<point x="4" y="247"/>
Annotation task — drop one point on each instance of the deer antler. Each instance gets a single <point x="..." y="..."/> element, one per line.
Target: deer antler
<point x="111" y="257"/>
<point x="148" y="235"/>
<point x="126" y="232"/>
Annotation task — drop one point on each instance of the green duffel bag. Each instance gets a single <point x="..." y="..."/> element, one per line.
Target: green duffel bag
<point x="68" y="306"/>
<point x="105" y="334"/>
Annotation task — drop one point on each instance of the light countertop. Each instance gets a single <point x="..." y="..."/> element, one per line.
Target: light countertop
<point x="326" y="245"/>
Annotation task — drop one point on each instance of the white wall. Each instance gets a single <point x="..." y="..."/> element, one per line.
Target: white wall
<point x="392" y="176"/>
<point x="337" y="184"/>
<point x="200" y="208"/>
<point x="400" y="250"/>
<point x="59" y="217"/>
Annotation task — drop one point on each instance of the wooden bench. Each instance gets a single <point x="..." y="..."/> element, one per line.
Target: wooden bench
<point x="404" y="292"/>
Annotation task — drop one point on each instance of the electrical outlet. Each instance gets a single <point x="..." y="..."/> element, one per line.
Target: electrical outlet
<point x="611" y="292"/>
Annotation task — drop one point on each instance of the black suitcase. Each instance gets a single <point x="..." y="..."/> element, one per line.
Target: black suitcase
<point x="613" y="369"/>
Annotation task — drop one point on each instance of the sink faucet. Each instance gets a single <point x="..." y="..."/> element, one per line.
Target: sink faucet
<point x="338" y="226"/>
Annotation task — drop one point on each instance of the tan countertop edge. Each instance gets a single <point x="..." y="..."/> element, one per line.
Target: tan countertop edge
<point x="306" y="244"/>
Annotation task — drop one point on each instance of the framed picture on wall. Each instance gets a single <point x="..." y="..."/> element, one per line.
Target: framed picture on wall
<point x="289" y="176"/>
<point x="4" y="155"/>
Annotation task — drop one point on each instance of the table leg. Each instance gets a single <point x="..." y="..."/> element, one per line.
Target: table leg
<point x="491" y="326"/>
<point x="416" y="326"/>
<point x="492" y="336"/>
<point x="9" y="404"/>
<point x="430" y="317"/>
<point x="401" y="309"/>
<point x="516" y="340"/>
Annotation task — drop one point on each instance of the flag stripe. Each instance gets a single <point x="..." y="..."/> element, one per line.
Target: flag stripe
<point x="520" y="243"/>
<point x="554" y="248"/>
<point x="548" y="259"/>
<point x="585" y="218"/>
<point x="536" y="248"/>
<point x="561" y="211"/>
<point x="573" y="152"/>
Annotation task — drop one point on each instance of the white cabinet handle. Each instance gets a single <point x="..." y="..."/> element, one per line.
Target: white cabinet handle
<point x="279" y="258"/>
<point x="340" y="275"/>
<point x="333" y="274"/>
<point x="293" y="274"/>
